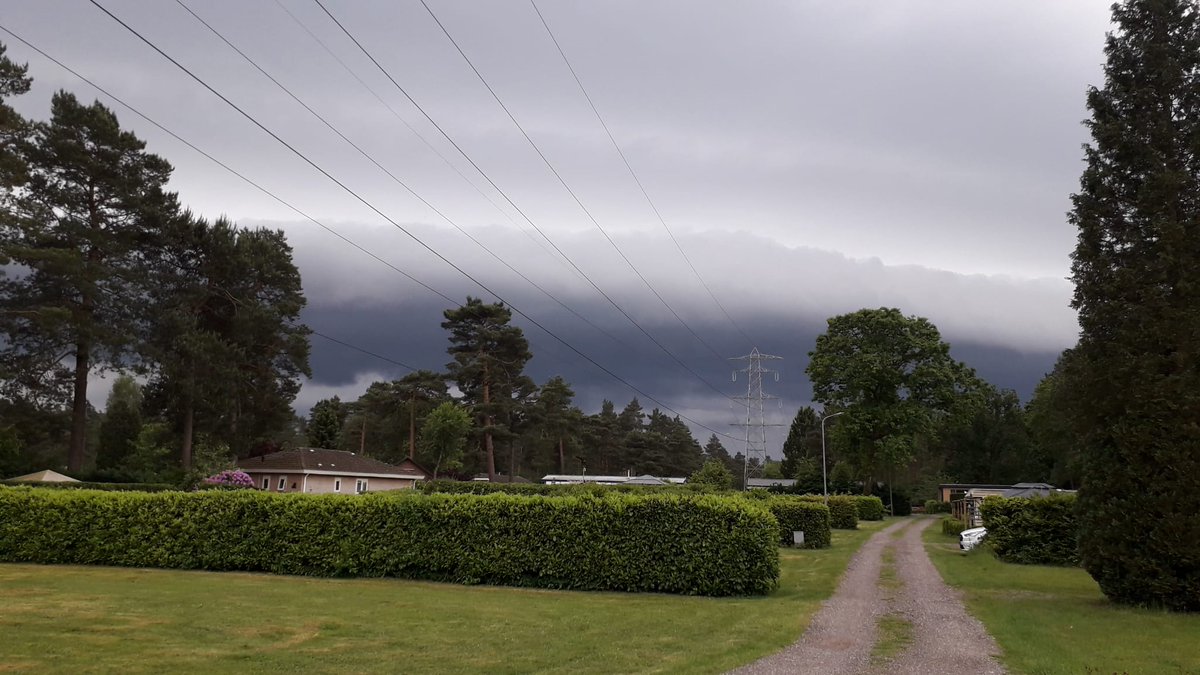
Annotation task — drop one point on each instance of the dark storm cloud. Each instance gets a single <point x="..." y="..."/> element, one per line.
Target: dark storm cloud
<point x="1009" y="330"/>
<point x="813" y="157"/>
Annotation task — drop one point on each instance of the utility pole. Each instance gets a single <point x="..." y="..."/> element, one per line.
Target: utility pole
<point x="755" y="459"/>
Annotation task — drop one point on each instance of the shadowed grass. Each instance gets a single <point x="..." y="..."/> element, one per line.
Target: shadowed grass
<point x="70" y="618"/>
<point x="1050" y="620"/>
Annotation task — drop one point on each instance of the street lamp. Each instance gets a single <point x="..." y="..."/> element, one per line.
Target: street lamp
<point x="824" y="480"/>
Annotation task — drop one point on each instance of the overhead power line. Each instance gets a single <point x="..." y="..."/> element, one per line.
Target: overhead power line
<point x="518" y="209"/>
<point x="393" y="176"/>
<point x="358" y="197"/>
<point x="346" y="67"/>
<point x="633" y="174"/>
<point x="564" y="183"/>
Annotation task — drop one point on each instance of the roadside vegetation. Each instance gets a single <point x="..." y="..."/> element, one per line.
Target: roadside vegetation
<point x="1050" y="620"/>
<point x="59" y="619"/>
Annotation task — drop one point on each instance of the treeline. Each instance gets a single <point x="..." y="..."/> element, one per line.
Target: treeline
<point x="901" y="416"/>
<point x="102" y="269"/>
<point x="513" y="426"/>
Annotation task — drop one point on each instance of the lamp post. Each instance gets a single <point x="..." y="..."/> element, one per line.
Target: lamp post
<point x="824" y="480"/>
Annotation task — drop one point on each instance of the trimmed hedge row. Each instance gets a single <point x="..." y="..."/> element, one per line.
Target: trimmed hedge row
<point x="702" y="545"/>
<point x="843" y="510"/>
<point x="1039" y="531"/>
<point x="869" y="508"/>
<point x="799" y="514"/>
<point x="85" y="485"/>
<point x="952" y="526"/>
<point x="935" y="506"/>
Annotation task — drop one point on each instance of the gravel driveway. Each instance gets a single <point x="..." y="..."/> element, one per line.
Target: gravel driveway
<point x="946" y="639"/>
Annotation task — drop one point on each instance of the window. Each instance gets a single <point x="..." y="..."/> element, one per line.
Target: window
<point x="266" y="482"/>
<point x="360" y="486"/>
<point x="282" y="483"/>
<point x="337" y="484"/>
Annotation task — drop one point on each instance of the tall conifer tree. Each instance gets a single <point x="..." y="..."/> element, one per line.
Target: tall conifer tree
<point x="1136" y="372"/>
<point x="77" y="232"/>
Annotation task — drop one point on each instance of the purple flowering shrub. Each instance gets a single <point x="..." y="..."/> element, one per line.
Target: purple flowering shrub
<point x="230" y="478"/>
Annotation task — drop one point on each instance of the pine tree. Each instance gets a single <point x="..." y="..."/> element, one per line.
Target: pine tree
<point x="489" y="355"/>
<point x="802" y="435"/>
<point x="1135" y="375"/>
<point x="13" y="128"/>
<point x="121" y="426"/>
<point x="325" y="422"/>
<point x="555" y="417"/>
<point x="78" y="228"/>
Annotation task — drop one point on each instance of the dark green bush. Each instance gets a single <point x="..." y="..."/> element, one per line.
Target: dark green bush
<point x="869" y="507"/>
<point x="952" y="526"/>
<point x="799" y="514"/>
<point x="705" y="545"/>
<point x="1039" y="531"/>
<point x="935" y="506"/>
<point x="843" y="510"/>
<point x="84" y="485"/>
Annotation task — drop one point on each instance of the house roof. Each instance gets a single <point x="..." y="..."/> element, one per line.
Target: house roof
<point x="501" y="478"/>
<point x="768" y="482"/>
<point x="645" y="480"/>
<point x="1029" y="490"/>
<point x="330" y="462"/>
<point x="46" y="476"/>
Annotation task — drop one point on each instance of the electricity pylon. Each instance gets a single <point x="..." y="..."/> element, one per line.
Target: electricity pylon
<point x="755" y="459"/>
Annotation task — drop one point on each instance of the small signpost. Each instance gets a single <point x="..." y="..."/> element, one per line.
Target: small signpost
<point x="797" y="537"/>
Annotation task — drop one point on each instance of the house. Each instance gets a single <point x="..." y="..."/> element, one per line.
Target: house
<point x="318" y="471"/>
<point x="965" y="499"/>
<point x="46" y="476"/>
<point x="952" y="492"/>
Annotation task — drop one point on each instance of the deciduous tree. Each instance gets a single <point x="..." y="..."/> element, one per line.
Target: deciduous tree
<point x="894" y="377"/>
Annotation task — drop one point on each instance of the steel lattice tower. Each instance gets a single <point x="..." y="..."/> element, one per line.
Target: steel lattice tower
<point x="756" y="421"/>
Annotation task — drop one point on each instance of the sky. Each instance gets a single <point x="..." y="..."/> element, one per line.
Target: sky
<point x="809" y="158"/>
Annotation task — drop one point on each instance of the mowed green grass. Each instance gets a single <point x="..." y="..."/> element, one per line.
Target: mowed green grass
<point x="1050" y="620"/>
<point x="71" y="618"/>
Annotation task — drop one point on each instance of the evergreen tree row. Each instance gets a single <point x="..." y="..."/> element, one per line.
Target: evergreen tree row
<point x="102" y="270"/>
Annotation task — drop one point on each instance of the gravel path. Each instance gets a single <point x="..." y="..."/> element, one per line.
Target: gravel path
<point x="839" y="639"/>
<point x="946" y="639"/>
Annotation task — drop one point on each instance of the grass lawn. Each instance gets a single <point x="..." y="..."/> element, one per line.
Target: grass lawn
<point x="70" y="618"/>
<point x="1055" y="620"/>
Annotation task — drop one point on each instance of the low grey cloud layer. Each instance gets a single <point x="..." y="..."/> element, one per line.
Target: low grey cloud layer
<point x="813" y="157"/>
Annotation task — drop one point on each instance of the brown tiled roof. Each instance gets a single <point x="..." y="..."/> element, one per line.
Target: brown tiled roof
<point x="306" y="460"/>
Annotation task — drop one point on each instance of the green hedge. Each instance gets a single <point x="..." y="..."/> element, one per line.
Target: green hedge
<point x="1039" y="531"/>
<point x="799" y="514"/>
<point x="704" y="545"/>
<point x="84" y="485"/>
<point x="952" y="526"/>
<point x="935" y="506"/>
<point x="869" y="508"/>
<point x="843" y="510"/>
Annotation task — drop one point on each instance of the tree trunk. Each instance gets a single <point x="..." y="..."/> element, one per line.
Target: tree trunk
<point x="489" y="447"/>
<point x="512" y="460"/>
<point x="189" y="424"/>
<point x="562" y="462"/>
<point x="79" y="408"/>
<point x="412" y="428"/>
